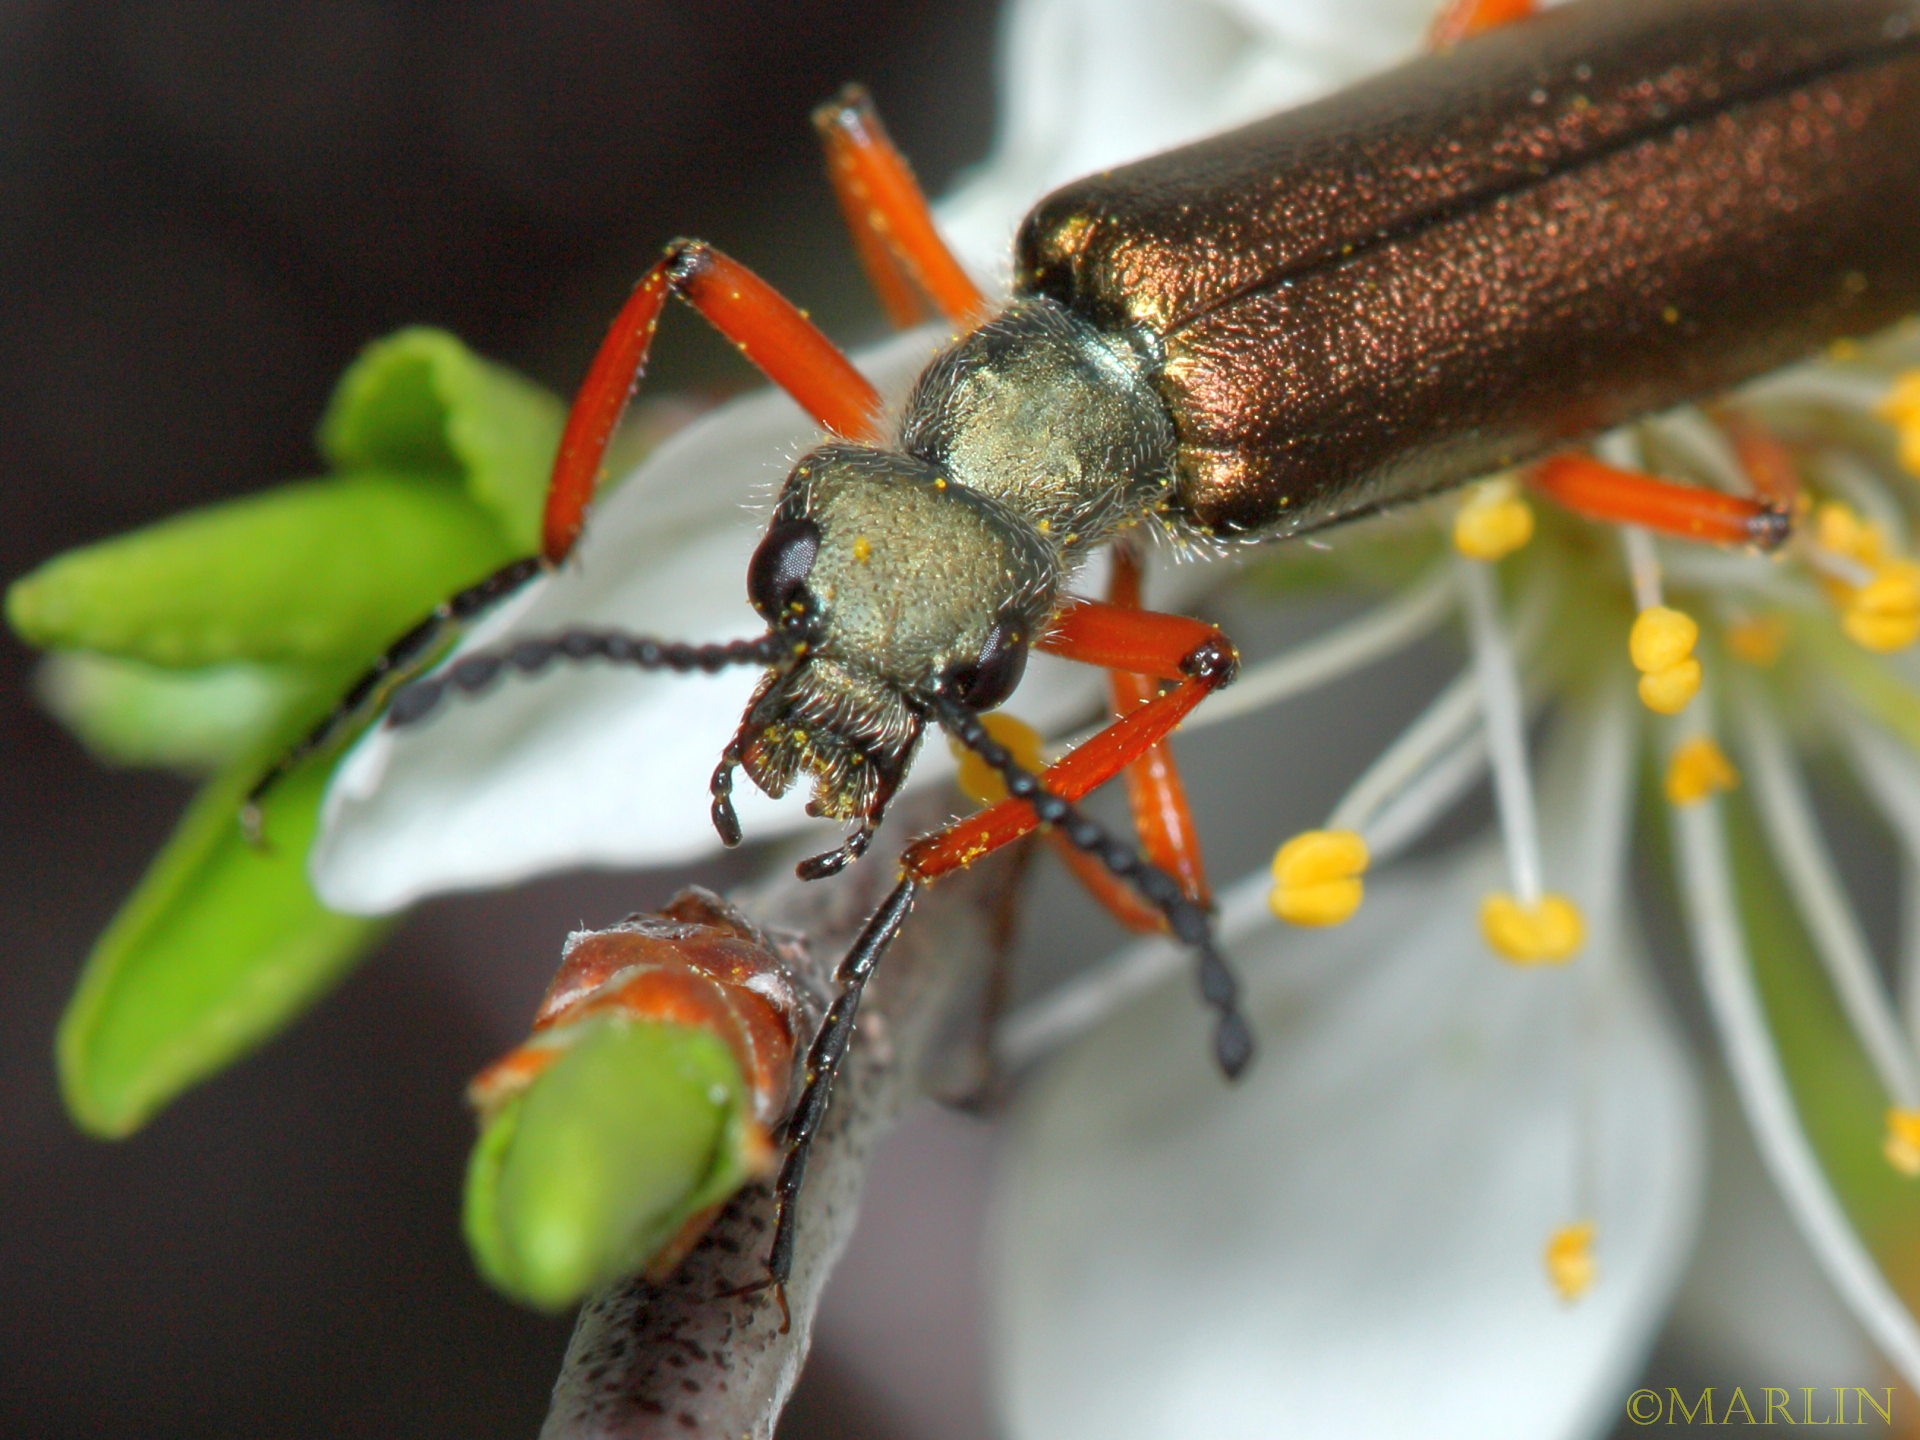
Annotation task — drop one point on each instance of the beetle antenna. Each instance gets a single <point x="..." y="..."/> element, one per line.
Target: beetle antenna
<point x="472" y="674"/>
<point x="1189" y="922"/>
<point x="412" y="651"/>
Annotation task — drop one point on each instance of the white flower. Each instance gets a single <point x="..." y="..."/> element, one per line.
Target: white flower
<point x="1351" y="1241"/>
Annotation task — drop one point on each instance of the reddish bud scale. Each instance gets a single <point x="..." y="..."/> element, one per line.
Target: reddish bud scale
<point x="697" y="963"/>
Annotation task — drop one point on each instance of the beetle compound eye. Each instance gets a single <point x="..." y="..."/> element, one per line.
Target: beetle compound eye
<point x="777" y="578"/>
<point x="996" y="674"/>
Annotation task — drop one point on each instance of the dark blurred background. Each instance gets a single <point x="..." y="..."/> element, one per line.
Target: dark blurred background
<point x="210" y="207"/>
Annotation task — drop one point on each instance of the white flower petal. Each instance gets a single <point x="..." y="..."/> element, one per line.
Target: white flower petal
<point x="590" y="765"/>
<point x="1088" y="84"/>
<point x="1349" y="1241"/>
<point x="1754" y="1304"/>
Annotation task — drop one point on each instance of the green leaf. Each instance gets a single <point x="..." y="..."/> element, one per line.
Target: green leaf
<point x="130" y="713"/>
<point x="585" y="1175"/>
<point x="420" y="400"/>
<point x="313" y="571"/>
<point x="218" y="947"/>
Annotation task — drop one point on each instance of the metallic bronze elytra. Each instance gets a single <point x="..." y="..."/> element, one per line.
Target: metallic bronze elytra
<point x="1487" y="254"/>
<point x="1502" y="248"/>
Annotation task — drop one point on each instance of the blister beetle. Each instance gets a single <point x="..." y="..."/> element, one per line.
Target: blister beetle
<point x="1483" y="256"/>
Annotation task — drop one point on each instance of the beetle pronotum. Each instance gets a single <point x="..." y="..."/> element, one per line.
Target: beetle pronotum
<point x="1479" y="258"/>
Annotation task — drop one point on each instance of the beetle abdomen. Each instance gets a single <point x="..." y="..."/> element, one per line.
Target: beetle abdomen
<point x="1496" y="250"/>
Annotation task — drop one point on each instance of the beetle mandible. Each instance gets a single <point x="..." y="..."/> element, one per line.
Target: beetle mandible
<point x="1485" y="255"/>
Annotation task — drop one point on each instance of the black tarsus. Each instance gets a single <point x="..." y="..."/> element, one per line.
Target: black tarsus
<point x="824" y="1056"/>
<point x="403" y="655"/>
<point x="1189" y="922"/>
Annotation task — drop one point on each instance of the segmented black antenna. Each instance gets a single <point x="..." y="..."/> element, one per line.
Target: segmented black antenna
<point x="1190" y="924"/>
<point x="410" y="701"/>
<point x="475" y="673"/>
<point x="407" y="653"/>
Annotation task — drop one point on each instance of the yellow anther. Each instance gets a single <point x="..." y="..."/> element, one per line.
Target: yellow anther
<point x="1661" y="644"/>
<point x="978" y="780"/>
<point x="1839" y="530"/>
<point x="1668" y="691"/>
<point x="1494" y="522"/>
<point x="1884" y="614"/>
<point x="1662" y="637"/>
<point x="1758" y="639"/>
<point x="1902" y="409"/>
<point x="1569" y="1258"/>
<point x="1698" y="769"/>
<point x="1316" y="877"/>
<point x="1902" y="1143"/>
<point x="1546" y="933"/>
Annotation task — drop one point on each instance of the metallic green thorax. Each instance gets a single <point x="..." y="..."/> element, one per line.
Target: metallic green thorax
<point x="1023" y="446"/>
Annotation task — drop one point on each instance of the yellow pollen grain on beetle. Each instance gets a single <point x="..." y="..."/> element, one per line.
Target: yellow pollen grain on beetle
<point x="862" y="549"/>
<point x="1884" y="613"/>
<point x="1547" y="932"/>
<point x="1901" y="409"/>
<point x="1698" y="768"/>
<point x="1901" y="1145"/>
<point x="1569" y="1259"/>
<point x="978" y="780"/>
<point x="1661" y="644"/>
<point x="1316" y="877"/>
<point x="1494" y="522"/>
<point x="1758" y="639"/>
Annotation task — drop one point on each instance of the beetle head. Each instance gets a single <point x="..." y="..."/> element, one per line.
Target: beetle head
<point x="891" y="585"/>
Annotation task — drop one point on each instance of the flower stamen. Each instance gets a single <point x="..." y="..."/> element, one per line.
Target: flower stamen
<point x="1884" y="614"/>
<point x="1317" y="877"/>
<point x="1546" y="932"/>
<point x="1569" y="1259"/>
<point x="1733" y="1002"/>
<point x="1504" y="713"/>
<point x="1901" y="409"/>
<point x="1902" y="1143"/>
<point x="1787" y="816"/>
<point x="1661" y="644"/>
<point x="1890" y="773"/>
<point x="1757" y="639"/>
<point x="1877" y="589"/>
<point x="1494" y="521"/>
<point x="1698" y="768"/>
<point x="1378" y="633"/>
